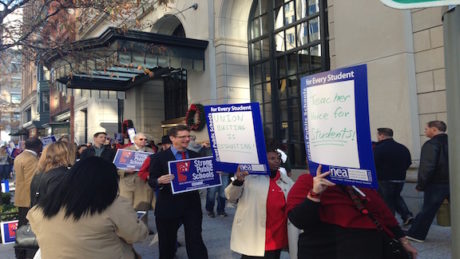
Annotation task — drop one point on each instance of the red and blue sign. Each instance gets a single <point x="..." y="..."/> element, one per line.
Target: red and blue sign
<point x="193" y="174"/>
<point x="126" y="159"/>
<point x="8" y="229"/>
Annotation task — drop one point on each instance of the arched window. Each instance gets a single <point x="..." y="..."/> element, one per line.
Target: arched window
<point x="287" y="40"/>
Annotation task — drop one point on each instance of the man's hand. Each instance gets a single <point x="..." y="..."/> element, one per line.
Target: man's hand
<point x="165" y="179"/>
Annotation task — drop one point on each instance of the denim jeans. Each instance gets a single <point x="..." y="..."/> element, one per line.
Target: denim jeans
<point x="5" y="171"/>
<point x="391" y="194"/>
<point x="432" y="199"/>
<point x="220" y="191"/>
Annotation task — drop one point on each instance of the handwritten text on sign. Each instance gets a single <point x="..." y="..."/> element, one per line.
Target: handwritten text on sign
<point x="332" y="124"/>
<point x="236" y="141"/>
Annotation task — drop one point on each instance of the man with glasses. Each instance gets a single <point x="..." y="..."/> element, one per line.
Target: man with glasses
<point x="99" y="149"/>
<point x="172" y="210"/>
<point x="131" y="185"/>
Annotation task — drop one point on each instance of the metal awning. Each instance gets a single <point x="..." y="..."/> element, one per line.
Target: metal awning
<point x="118" y="60"/>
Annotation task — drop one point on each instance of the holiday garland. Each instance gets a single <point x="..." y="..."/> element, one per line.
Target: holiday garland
<point x="195" y="111"/>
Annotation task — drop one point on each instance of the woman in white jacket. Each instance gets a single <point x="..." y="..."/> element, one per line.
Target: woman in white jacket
<point x="260" y="227"/>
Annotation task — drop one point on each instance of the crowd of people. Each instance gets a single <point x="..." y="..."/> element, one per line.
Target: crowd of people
<point x="80" y="205"/>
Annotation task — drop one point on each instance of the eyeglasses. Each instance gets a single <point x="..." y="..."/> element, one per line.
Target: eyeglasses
<point x="142" y="139"/>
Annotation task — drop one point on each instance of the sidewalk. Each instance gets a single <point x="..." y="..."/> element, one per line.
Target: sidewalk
<point x="216" y="235"/>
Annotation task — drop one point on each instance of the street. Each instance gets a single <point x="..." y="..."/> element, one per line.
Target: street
<point x="216" y="235"/>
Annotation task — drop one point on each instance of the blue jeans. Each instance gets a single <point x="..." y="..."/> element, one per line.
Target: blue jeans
<point x="432" y="199"/>
<point x="391" y="194"/>
<point x="211" y="196"/>
<point x="5" y="171"/>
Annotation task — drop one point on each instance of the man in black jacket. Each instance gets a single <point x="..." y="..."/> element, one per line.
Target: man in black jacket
<point x="99" y="149"/>
<point x="392" y="160"/>
<point x="172" y="210"/>
<point x="433" y="179"/>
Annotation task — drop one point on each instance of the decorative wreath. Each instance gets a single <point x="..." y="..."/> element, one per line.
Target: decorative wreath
<point x="195" y="117"/>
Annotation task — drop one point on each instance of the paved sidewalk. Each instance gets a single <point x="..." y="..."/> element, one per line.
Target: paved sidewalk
<point x="216" y="234"/>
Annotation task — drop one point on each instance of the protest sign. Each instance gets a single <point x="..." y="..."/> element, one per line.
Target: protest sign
<point x="48" y="140"/>
<point x="131" y="134"/>
<point x="236" y="137"/>
<point x="336" y="125"/>
<point x="193" y="174"/>
<point x="8" y="229"/>
<point x="129" y="159"/>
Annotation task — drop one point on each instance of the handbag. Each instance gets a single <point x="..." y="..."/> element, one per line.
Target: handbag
<point x="392" y="247"/>
<point x="25" y="237"/>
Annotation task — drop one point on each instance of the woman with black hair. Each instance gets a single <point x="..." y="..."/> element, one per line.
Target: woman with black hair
<point x="260" y="227"/>
<point x="85" y="218"/>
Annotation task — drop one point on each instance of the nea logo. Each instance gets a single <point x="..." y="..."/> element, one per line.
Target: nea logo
<point x="182" y="170"/>
<point x="339" y="172"/>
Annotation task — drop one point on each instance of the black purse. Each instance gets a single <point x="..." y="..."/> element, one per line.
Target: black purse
<point x="25" y="237"/>
<point x="392" y="247"/>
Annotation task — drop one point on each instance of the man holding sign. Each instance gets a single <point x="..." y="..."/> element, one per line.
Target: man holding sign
<point x="131" y="185"/>
<point x="172" y="210"/>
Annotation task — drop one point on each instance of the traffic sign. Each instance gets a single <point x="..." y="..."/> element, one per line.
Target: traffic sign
<point x="409" y="4"/>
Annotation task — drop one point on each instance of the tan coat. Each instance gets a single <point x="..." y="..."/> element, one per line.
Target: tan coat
<point x="248" y="230"/>
<point x="107" y="235"/>
<point x="136" y="189"/>
<point x="25" y="167"/>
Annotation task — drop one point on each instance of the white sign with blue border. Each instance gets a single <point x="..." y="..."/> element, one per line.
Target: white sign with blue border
<point x="126" y="159"/>
<point x="193" y="174"/>
<point x="48" y="140"/>
<point x="336" y="125"/>
<point x="236" y="137"/>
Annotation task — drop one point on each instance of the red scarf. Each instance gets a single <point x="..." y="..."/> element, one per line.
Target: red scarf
<point x="337" y="207"/>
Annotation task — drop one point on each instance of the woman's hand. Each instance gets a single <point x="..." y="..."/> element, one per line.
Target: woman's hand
<point x="240" y="175"/>
<point x="320" y="184"/>
<point x="408" y="247"/>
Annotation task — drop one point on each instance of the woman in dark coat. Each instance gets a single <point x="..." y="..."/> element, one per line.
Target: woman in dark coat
<point x="334" y="225"/>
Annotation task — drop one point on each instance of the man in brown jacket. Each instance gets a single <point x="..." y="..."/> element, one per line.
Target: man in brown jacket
<point x="25" y="166"/>
<point x="131" y="185"/>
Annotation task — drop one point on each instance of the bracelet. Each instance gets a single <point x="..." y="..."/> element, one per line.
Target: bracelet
<point x="314" y="194"/>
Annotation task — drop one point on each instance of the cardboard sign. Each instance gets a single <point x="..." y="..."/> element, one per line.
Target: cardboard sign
<point x="193" y="174"/>
<point x="8" y="229"/>
<point x="236" y="137"/>
<point x="48" y="140"/>
<point x="336" y="125"/>
<point x="129" y="159"/>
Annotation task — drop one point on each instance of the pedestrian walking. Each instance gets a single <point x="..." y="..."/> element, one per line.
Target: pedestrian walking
<point x="433" y="178"/>
<point x="392" y="160"/>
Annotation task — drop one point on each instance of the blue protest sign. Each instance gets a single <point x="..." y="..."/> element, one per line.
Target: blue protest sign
<point x="193" y="174"/>
<point x="236" y="137"/>
<point x="48" y="140"/>
<point x="336" y="125"/>
<point x="129" y="159"/>
<point x="8" y="229"/>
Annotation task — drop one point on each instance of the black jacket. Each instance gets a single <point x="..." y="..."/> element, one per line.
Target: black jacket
<point x="108" y="154"/>
<point x="434" y="162"/>
<point x="45" y="183"/>
<point x="392" y="160"/>
<point x="170" y="205"/>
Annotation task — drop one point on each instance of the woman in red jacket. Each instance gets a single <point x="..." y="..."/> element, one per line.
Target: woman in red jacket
<point x="334" y="224"/>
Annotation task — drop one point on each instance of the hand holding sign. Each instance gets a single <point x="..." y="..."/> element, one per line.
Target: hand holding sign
<point x="240" y="175"/>
<point x="320" y="183"/>
<point x="165" y="179"/>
